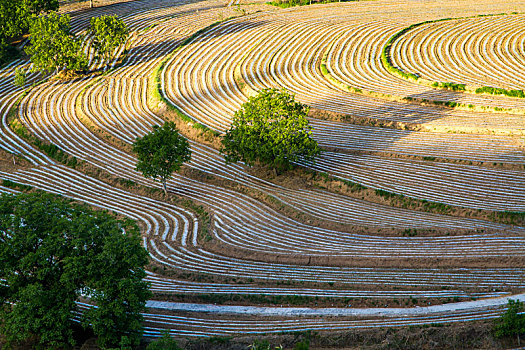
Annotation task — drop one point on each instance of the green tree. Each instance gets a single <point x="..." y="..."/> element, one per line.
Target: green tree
<point x="52" y="250"/>
<point x="15" y="15"/>
<point x="161" y="152"/>
<point x="53" y="45"/>
<point x="109" y="32"/>
<point x="15" y="18"/>
<point x="512" y="322"/>
<point x="271" y="128"/>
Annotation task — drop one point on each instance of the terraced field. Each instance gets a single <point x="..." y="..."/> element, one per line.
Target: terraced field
<point x="296" y="235"/>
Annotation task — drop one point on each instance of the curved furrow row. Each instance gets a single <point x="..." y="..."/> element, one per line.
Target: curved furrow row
<point x="170" y="285"/>
<point x="455" y="184"/>
<point x="469" y="51"/>
<point x="208" y="79"/>
<point x="211" y="105"/>
<point x="355" y="60"/>
<point x="479" y="148"/>
<point x="186" y="255"/>
<point x="162" y="222"/>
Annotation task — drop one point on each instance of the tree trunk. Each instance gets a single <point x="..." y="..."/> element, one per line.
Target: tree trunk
<point x="91" y="3"/>
<point x="164" y="188"/>
<point x="519" y="340"/>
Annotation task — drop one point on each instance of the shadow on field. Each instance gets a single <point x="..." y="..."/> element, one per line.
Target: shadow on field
<point x="150" y="51"/>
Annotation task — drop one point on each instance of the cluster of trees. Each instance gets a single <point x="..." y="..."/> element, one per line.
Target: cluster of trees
<point x="54" y="47"/>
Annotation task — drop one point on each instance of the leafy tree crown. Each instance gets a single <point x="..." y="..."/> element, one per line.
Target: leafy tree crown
<point x="109" y="32"/>
<point x="512" y="323"/>
<point x="271" y="128"/>
<point x="52" y="250"/>
<point x="53" y="45"/>
<point x="161" y="152"/>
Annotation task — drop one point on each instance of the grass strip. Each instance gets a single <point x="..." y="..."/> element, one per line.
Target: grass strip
<point x="386" y="60"/>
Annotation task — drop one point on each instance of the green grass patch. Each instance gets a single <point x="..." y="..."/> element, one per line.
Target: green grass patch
<point x="499" y="91"/>
<point x="511" y="217"/>
<point x="291" y="3"/>
<point x="450" y="86"/>
<point x="386" y="60"/>
<point x="53" y="151"/>
<point x="126" y="182"/>
<point x="16" y="186"/>
<point x="324" y="70"/>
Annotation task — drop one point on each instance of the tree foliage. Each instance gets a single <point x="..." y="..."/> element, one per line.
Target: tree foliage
<point x="109" y="32"/>
<point x="271" y="128"/>
<point x="161" y="152"/>
<point x="15" y="19"/>
<point x="15" y="15"/>
<point x="52" y="250"/>
<point x="53" y="45"/>
<point x="512" y="323"/>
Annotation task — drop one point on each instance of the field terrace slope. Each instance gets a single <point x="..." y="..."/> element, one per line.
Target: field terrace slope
<point x="254" y="248"/>
<point x="468" y="51"/>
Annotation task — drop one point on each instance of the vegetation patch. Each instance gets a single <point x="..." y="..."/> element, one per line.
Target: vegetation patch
<point x="16" y="185"/>
<point x="291" y="3"/>
<point x="386" y="60"/>
<point x="53" y="151"/>
<point x="449" y="86"/>
<point x="499" y="91"/>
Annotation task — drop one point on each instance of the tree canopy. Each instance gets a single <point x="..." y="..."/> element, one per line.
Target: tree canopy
<point x="15" y="19"/>
<point x="161" y="152"/>
<point x="15" y="15"/>
<point x="109" y="32"/>
<point x="53" y="45"/>
<point x="512" y="323"/>
<point x="271" y="128"/>
<point x="53" y="251"/>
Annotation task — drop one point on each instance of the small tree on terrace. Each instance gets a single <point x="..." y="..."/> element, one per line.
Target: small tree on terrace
<point x="161" y="153"/>
<point x="53" y="45"/>
<point x="271" y="128"/>
<point x="109" y="32"/>
<point x="512" y="323"/>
